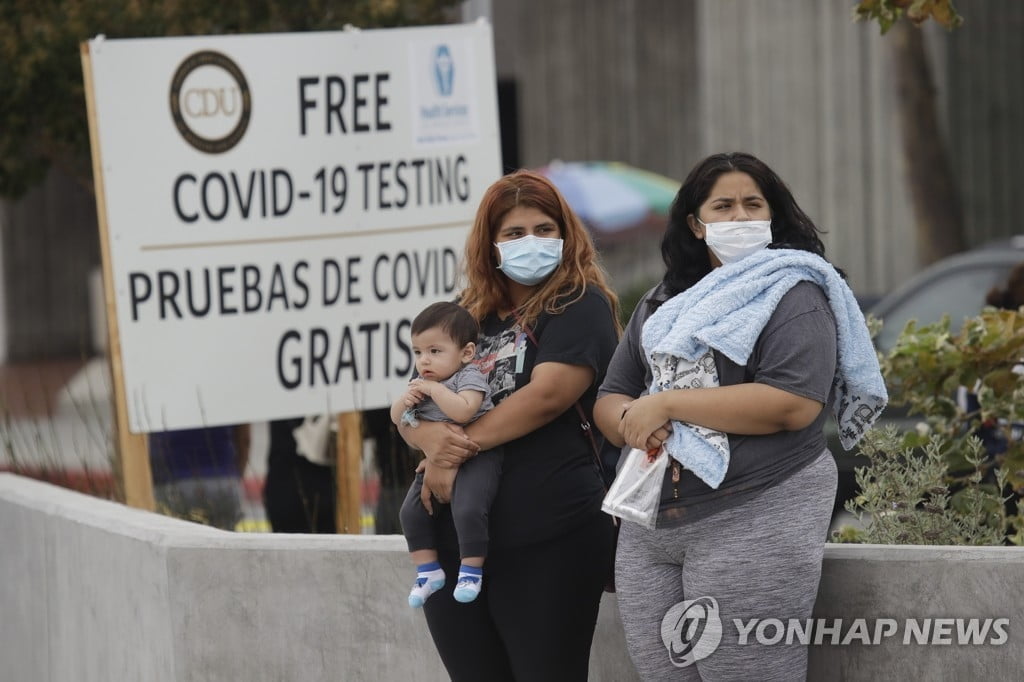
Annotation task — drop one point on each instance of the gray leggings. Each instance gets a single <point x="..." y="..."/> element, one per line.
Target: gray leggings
<point x="761" y="559"/>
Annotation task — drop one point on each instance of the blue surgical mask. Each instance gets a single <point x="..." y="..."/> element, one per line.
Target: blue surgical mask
<point x="529" y="260"/>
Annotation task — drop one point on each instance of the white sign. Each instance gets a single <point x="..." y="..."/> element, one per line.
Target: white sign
<point x="279" y="207"/>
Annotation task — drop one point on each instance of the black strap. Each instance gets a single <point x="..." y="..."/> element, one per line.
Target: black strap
<point x="585" y="425"/>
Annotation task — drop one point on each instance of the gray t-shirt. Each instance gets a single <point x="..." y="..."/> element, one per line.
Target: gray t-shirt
<point x="469" y="378"/>
<point x="796" y="352"/>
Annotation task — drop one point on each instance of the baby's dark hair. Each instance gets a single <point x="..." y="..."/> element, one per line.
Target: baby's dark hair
<point x="452" y="319"/>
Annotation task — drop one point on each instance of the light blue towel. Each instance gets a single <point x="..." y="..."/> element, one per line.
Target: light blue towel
<point x="728" y="309"/>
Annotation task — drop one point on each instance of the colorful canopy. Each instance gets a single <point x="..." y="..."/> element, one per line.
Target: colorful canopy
<point x="610" y="196"/>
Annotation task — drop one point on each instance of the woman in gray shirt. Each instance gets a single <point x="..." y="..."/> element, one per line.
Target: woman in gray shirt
<point x="748" y="544"/>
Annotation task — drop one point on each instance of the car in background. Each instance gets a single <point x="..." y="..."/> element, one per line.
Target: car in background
<point x="954" y="286"/>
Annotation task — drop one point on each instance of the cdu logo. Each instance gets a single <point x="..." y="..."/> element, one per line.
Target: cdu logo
<point x="691" y="631"/>
<point x="210" y="101"/>
<point x="444" y="71"/>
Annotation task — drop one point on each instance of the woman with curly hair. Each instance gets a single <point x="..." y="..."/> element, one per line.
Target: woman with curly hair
<point x="728" y="365"/>
<point x="548" y="324"/>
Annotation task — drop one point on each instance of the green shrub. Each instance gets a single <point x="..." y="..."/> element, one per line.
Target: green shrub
<point x="937" y="484"/>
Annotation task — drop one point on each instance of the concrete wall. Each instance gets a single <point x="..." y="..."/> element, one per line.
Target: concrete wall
<point x="92" y="590"/>
<point x="661" y="83"/>
<point x="986" y="146"/>
<point x="812" y="94"/>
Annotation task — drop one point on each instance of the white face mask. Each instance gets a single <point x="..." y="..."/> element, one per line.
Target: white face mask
<point x="734" y="240"/>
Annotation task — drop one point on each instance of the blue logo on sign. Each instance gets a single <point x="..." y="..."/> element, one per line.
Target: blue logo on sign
<point x="444" y="71"/>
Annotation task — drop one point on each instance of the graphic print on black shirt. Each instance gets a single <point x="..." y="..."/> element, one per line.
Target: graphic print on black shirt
<point x="501" y="358"/>
<point x="549" y="484"/>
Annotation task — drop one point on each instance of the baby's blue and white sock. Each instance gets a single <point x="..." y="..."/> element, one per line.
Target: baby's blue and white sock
<point x="471" y="579"/>
<point x="429" y="579"/>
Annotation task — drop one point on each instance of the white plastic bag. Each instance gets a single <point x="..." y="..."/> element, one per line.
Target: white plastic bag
<point x="315" y="439"/>
<point x="636" y="491"/>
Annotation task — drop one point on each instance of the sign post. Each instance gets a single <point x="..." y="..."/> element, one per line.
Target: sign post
<point x="275" y="209"/>
<point x="134" y="477"/>
<point x="348" y="510"/>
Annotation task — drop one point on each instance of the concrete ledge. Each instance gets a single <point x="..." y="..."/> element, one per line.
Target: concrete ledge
<point x="918" y="587"/>
<point x="92" y="590"/>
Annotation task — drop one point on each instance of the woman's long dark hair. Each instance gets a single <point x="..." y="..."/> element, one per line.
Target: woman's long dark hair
<point x="686" y="257"/>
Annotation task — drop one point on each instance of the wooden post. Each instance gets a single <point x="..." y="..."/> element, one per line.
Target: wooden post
<point x="134" y="476"/>
<point x="348" y="508"/>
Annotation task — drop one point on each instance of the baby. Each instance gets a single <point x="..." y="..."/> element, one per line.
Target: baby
<point x="449" y="388"/>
